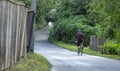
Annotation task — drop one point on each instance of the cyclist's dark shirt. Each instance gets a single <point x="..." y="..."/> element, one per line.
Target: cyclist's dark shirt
<point x="79" y="37"/>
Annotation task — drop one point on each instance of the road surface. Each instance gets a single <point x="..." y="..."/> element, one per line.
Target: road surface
<point x="65" y="60"/>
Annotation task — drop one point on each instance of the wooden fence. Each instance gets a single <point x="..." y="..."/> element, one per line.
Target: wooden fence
<point x="13" y="39"/>
<point x="95" y="43"/>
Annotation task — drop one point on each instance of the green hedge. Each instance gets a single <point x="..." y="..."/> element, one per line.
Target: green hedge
<point x="65" y="29"/>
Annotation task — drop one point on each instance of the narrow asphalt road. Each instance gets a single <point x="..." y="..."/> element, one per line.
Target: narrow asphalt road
<point x="65" y="60"/>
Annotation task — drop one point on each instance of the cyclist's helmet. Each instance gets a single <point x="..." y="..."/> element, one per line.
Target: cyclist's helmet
<point x="79" y="30"/>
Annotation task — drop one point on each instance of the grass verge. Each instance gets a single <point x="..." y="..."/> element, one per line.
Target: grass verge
<point x="86" y="50"/>
<point x="33" y="62"/>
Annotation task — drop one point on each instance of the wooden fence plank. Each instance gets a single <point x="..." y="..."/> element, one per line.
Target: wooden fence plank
<point x="0" y="36"/>
<point x="3" y="35"/>
<point x="5" y="30"/>
<point x="7" y="36"/>
<point x="16" y="51"/>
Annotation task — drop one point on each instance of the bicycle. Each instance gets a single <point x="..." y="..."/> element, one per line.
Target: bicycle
<point x="80" y="49"/>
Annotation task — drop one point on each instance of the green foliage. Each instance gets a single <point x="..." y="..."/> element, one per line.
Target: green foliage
<point x="38" y="26"/>
<point x="52" y="15"/>
<point x="71" y="17"/>
<point x="62" y="31"/>
<point x="108" y="23"/>
<point x="43" y="8"/>
<point x="118" y="50"/>
<point x="111" y="47"/>
<point x="72" y="7"/>
<point x="25" y="1"/>
<point x="105" y="33"/>
<point x="117" y="35"/>
<point x="107" y="12"/>
<point x="66" y="29"/>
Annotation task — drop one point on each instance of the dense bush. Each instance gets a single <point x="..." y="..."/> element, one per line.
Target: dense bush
<point x="62" y="31"/>
<point x="118" y="50"/>
<point x="111" y="47"/>
<point x="66" y="29"/>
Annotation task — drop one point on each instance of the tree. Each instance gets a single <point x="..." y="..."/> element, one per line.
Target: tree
<point x="109" y="14"/>
<point x="73" y="7"/>
<point x="43" y="7"/>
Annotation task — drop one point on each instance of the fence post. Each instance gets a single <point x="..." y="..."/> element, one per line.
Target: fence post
<point x="30" y="24"/>
<point x="95" y="43"/>
<point x="33" y="7"/>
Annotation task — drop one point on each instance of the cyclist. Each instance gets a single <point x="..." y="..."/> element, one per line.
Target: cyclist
<point x="79" y="38"/>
